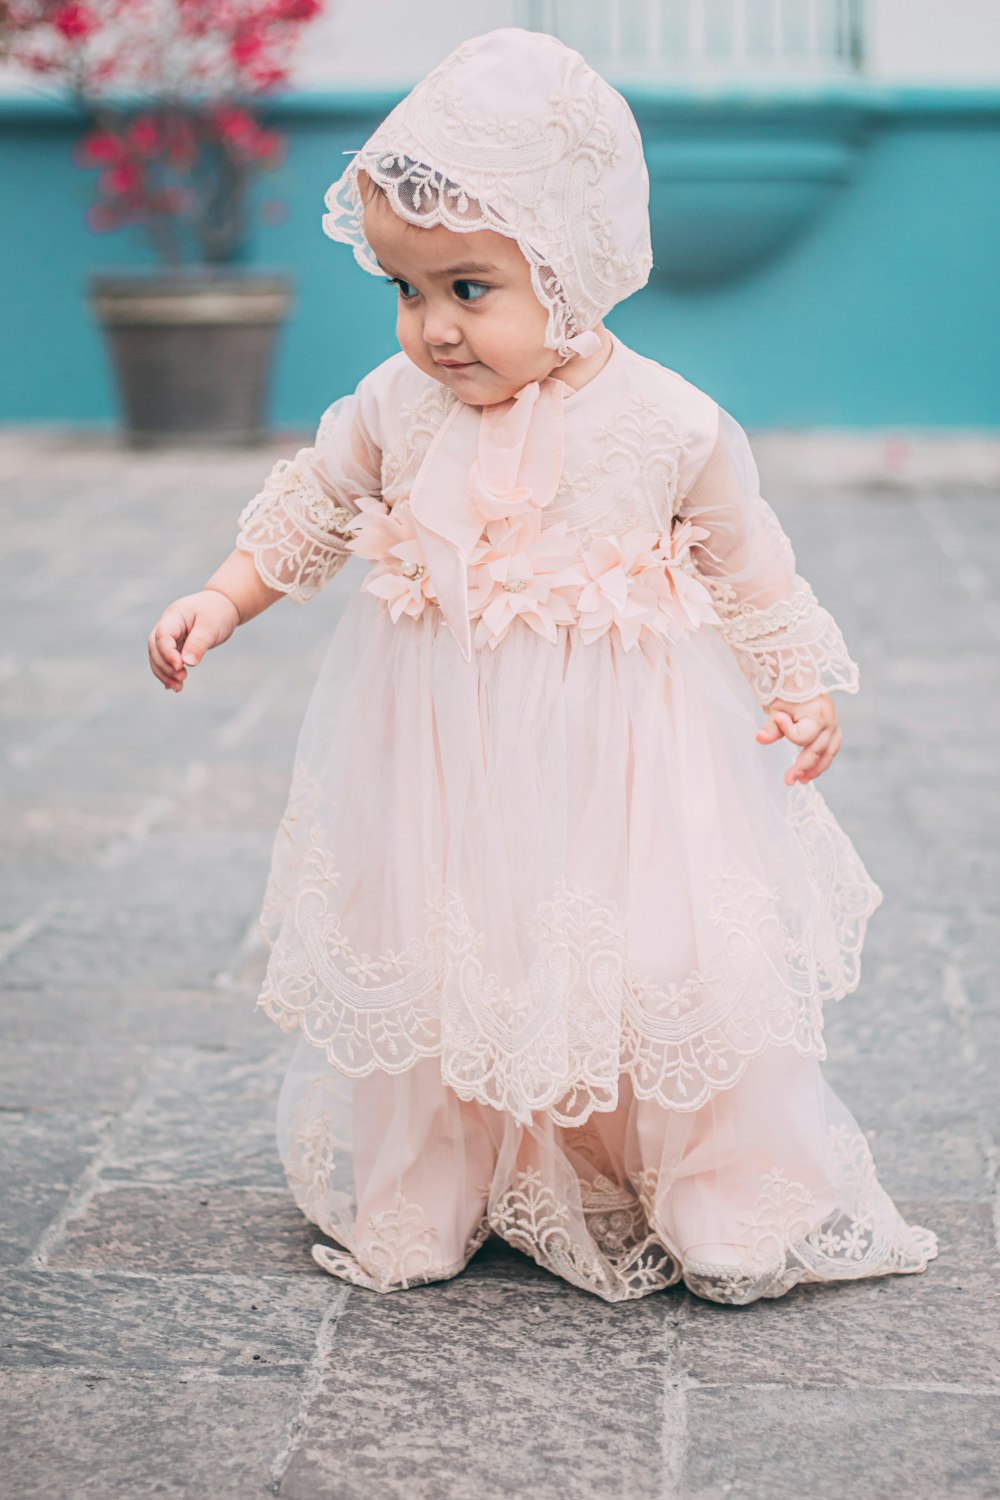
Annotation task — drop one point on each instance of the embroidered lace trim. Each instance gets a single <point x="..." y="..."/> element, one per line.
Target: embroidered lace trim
<point x="794" y="649"/>
<point x="789" y="1240"/>
<point x="295" y="533"/>
<point x="616" y="1246"/>
<point x="785" y="643"/>
<point x="767" y="984"/>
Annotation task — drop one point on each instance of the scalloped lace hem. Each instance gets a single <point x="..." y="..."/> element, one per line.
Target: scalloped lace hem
<point x="786" y="1239"/>
<point x="766" y="985"/>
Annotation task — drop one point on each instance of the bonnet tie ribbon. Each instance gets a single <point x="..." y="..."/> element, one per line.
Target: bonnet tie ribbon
<point x="517" y="450"/>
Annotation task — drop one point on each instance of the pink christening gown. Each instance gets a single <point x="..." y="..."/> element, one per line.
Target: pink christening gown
<point x="553" y="932"/>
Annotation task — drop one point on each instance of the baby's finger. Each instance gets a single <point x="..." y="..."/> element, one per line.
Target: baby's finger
<point x="807" y="759"/>
<point x="168" y="633"/>
<point x="817" y="756"/>
<point x="164" y="675"/>
<point x="836" y="740"/>
<point x="801" y="731"/>
<point x="822" y="764"/>
<point x="162" y="655"/>
<point x="195" y="646"/>
<point x="164" y="662"/>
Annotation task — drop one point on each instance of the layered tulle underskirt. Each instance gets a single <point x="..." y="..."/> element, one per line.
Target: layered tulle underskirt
<point x="769" y="1184"/>
<point x="556" y="939"/>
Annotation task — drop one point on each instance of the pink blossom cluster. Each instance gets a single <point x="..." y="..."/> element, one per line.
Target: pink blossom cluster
<point x="176" y="48"/>
<point x="636" y="583"/>
<point x="146" y="164"/>
<point x="186" y="148"/>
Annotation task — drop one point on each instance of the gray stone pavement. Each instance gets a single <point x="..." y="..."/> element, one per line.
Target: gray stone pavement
<point x="166" y="1331"/>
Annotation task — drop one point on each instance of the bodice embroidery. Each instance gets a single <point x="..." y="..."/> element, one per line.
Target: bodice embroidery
<point x="632" y="482"/>
<point x="405" y="450"/>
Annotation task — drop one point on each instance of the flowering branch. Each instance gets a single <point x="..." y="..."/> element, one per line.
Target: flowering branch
<point x="182" y="156"/>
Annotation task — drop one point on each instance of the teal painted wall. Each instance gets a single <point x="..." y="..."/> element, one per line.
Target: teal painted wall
<point x="884" y="311"/>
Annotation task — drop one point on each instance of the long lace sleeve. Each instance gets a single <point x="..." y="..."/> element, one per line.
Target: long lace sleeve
<point x="787" y="645"/>
<point x="297" y="527"/>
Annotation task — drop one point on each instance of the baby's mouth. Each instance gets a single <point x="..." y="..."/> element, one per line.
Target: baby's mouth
<point x="456" y="364"/>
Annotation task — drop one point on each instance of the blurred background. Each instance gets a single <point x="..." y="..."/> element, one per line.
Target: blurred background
<point x="825" y="203"/>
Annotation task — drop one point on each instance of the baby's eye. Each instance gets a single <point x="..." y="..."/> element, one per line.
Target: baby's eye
<point x="406" y="291"/>
<point x="469" y="291"/>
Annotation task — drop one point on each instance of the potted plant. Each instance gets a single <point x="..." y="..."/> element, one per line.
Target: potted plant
<point x="167" y="90"/>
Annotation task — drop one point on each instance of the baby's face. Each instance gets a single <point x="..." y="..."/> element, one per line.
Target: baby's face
<point x="466" y="313"/>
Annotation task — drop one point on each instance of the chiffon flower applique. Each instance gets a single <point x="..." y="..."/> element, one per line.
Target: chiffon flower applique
<point x="388" y="537"/>
<point x="641" y="583"/>
<point x="521" y="570"/>
<point x="692" y="602"/>
<point x="624" y="587"/>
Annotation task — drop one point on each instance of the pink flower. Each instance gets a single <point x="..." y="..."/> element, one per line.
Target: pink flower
<point x="99" y="149"/>
<point x="294" y="10"/>
<point x="120" y="180"/>
<point x="642" y="583"/>
<point x="621" y="589"/>
<point x="637" y="583"/>
<point x="263" y="77"/>
<point x="521" y="570"/>
<point x="243" y="137"/>
<point x="693" y="605"/>
<point x="144" y="135"/>
<point x="247" y="47"/>
<point x="74" y="22"/>
<point x="388" y="536"/>
<point x="234" y="125"/>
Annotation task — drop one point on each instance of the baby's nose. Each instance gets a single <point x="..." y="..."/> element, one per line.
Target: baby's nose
<point x="440" y="331"/>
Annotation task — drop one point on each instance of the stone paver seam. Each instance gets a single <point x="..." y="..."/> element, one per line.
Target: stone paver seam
<point x="81" y="1195"/>
<point x="312" y="1384"/>
<point x="90" y="1182"/>
<point x="674" y="1434"/>
<point x="26" y="929"/>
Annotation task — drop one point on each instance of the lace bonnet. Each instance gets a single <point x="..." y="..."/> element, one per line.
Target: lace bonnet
<point x="515" y="132"/>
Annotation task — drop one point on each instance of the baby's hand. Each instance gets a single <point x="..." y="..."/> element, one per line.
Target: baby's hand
<point x="192" y="625"/>
<point x="813" y="725"/>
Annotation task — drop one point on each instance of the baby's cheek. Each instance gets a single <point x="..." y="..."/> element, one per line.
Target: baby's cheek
<point x="413" y="347"/>
<point x="519" y="361"/>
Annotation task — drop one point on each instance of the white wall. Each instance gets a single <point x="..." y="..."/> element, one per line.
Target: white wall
<point x="365" y="43"/>
<point x="392" y="41"/>
<point x="396" y="41"/>
<point x="934" y="41"/>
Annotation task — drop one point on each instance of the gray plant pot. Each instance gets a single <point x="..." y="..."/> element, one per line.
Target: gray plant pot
<point x="192" y="351"/>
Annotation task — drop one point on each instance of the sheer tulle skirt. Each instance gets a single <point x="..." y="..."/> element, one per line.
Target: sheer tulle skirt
<point x="557" y="938"/>
<point x="768" y="1184"/>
